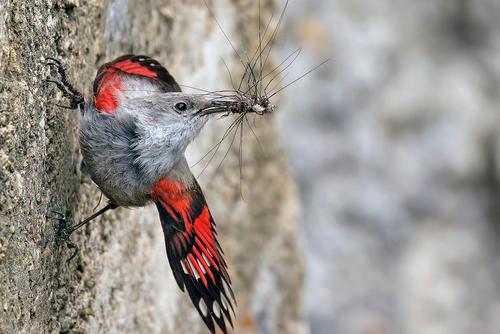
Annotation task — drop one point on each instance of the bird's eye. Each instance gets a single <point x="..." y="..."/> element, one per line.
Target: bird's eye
<point x="181" y="106"/>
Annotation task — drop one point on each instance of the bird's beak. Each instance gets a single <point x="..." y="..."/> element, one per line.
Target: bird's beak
<point x="221" y="104"/>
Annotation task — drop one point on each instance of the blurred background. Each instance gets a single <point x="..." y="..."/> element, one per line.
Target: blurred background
<point x="395" y="146"/>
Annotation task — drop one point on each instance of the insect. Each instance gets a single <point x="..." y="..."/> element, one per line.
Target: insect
<point x="257" y="85"/>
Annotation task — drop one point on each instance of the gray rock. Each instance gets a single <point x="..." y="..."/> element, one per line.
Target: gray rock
<point x="121" y="281"/>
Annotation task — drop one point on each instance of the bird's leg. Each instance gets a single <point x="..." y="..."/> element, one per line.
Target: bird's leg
<point x="87" y="220"/>
<point x="64" y="231"/>
<point x="64" y="85"/>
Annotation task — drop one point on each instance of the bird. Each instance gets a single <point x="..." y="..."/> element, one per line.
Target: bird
<point x="134" y="131"/>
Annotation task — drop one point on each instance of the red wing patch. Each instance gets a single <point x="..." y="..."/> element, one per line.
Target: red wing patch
<point x="107" y="82"/>
<point x="194" y="254"/>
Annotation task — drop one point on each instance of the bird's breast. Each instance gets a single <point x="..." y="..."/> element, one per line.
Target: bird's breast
<point x="107" y="148"/>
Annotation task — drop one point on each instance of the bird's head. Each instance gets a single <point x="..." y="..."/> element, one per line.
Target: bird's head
<point x="176" y="118"/>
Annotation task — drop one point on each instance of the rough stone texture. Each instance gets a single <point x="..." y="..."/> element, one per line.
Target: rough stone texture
<point x="397" y="157"/>
<point x="120" y="282"/>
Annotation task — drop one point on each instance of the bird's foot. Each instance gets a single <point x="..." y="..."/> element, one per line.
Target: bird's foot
<point x="63" y="232"/>
<point x="64" y="85"/>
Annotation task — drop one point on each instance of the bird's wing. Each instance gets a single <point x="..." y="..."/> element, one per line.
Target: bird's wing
<point x="193" y="251"/>
<point x="107" y="80"/>
<point x="139" y="65"/>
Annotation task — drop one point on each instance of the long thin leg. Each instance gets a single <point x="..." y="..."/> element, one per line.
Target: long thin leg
<point x="87" y="220"/>
<point x="64" y="232"/>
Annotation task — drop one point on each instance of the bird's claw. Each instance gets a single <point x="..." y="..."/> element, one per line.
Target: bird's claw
<point x="53" y="62"/>
<point x="62" y="220"/>
<point x="64" y="85"/>
<point x="57" y="215"/>
<point x="63" y="232"/>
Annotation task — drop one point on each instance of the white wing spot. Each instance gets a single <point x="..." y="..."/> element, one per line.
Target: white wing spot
<point x="194" y="271"/>
<point x="203" y="307"/>
<point x="216" y="309"/>
<point x="140" y="59"/>
<point x="205" y="258"/>
<point x="201" y="266"/>
<point x="184" y="268"/>
<point x="152" y="64"/>
<point x="222" y="299"/>
<point x="226" y="288"/>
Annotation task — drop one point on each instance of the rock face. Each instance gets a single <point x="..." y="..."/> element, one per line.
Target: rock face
<point x="397" y="153"/>
<point x="120" y="282"/>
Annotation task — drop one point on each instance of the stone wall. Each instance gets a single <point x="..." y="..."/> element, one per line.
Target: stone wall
<point x="120" y="281"/>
